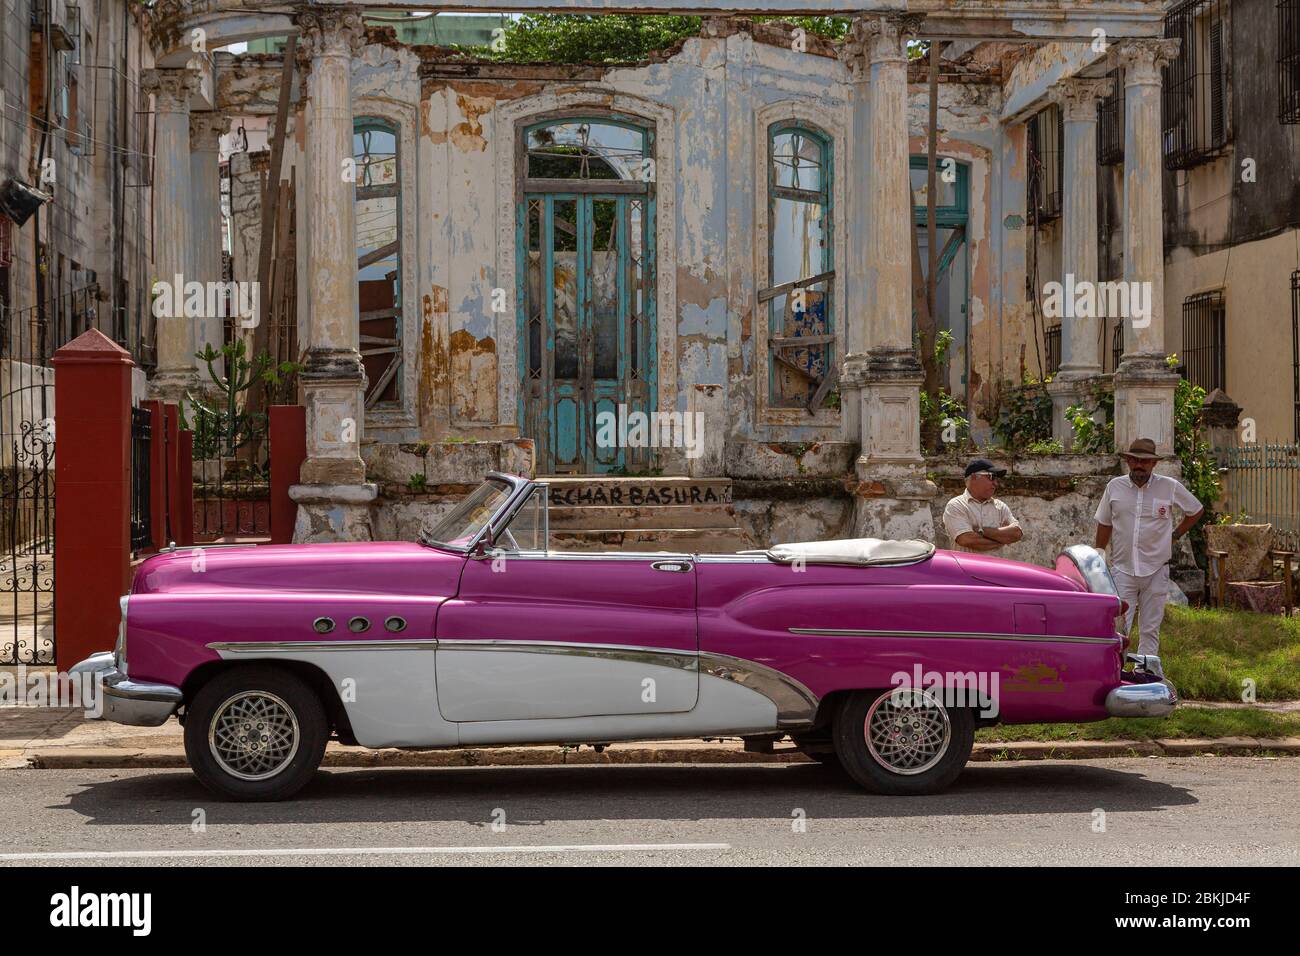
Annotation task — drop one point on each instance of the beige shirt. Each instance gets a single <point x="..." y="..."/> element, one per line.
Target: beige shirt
<point x="1142" y="519"/>
<point x="964" y="513"/>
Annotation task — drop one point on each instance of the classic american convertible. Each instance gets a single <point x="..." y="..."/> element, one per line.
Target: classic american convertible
<point x="881" y="656"/>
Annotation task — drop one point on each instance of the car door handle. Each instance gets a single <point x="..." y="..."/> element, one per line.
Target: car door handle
<point x="680" y="566"/>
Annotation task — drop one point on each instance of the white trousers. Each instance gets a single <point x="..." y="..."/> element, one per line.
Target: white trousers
<point x="1146" y="597"/>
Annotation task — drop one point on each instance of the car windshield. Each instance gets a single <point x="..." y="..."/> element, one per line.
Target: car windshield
<point x="462" y="524"/>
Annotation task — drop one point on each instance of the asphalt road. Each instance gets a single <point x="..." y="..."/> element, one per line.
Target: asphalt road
<point x="1172" y="811"/>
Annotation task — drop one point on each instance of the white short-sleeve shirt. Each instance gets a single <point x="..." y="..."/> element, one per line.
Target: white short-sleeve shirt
<point x="1142" y="519"/>
<point x="964" y="513"/>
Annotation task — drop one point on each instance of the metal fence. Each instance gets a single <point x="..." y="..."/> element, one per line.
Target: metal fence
<point x="1262" y="483"/>
<point x="28" y="339"/>
<point x="232" y="467"/>
<point x="141" y="471"/>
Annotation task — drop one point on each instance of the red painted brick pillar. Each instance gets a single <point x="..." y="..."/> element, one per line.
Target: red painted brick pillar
<point x="92" y="530"/>
<point x="288" y="451"/>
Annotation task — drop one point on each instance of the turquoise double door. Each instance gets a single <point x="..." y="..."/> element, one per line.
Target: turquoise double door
<point x="587" y="355"/>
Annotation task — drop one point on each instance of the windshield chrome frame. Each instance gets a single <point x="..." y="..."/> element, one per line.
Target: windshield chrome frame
<point x="519" y="488"/>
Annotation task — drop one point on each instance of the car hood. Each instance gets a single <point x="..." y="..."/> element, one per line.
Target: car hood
<point x="388" y="567"/>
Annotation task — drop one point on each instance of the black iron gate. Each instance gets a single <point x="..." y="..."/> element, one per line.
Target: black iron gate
<point x="28" y="339"/>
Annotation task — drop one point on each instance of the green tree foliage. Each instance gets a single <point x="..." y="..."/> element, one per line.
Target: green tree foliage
<point x="576" y="38"/>
<point x="614" y="38"/>
<point x="1200" y="468"/>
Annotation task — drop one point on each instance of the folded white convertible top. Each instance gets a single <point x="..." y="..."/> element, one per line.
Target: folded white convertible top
<point x="852" y="551"/>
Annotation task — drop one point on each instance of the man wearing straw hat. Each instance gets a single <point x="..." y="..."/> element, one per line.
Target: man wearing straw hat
<point x="1135" y="518"/>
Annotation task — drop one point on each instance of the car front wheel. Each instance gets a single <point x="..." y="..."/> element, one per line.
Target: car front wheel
<point x="255" y="733"/>
<point x="903" y="742"/>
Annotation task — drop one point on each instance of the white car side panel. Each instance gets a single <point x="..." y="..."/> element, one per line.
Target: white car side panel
<point x="723" y="707"/>
<point x="390" y="696"/>
<point x="396" y="699"/>
<point x="477" y="683"/>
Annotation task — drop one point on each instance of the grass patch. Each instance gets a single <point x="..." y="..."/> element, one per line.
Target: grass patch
<point x="1185" y="722"/>
<point x="1207" y="653"/>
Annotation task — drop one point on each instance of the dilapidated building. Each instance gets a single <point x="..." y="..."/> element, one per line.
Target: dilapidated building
<point x="490" y="264"/>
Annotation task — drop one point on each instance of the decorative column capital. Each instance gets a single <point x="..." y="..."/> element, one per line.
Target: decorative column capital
<point x="1143" y="60"/>
<point x="882" y="38"/>
<point x="333" y="31"/>
<point x="172" y="89"/>
<point x="1078" y="96"/>
<point x="206" y="130"/>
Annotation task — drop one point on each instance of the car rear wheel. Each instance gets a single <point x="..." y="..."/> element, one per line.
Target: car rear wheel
<point x="903" y="742"/>
<point x="255" y="733"/>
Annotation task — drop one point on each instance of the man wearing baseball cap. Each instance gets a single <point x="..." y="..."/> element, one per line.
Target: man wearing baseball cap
<point x="975" y="520"/>
<point x="1135" y="518"/>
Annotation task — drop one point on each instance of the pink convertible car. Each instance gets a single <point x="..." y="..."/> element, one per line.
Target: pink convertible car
<point x="882" y="655"/>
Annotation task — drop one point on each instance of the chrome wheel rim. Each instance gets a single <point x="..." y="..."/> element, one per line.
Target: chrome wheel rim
<point x="253" y="735"/>
<point x="907" y="731"/>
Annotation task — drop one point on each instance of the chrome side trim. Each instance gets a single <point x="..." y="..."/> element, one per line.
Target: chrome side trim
<point x="588" y="555"/>
<point x="262" y="647"/>
<point x="796" y="705"/>
<point x="679" y="658"/>
<point x="172" y="547"/>
<point x="954" y="635"/>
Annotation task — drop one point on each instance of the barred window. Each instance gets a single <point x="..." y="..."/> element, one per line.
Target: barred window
<point x="1110" y="123"/>
<point x="1288" y="60"/>
<point x="1046" y="163"/>
<point x="1204" y="318"/>
<point x="1052" y="348"/>
<point x="1195" y="122"/>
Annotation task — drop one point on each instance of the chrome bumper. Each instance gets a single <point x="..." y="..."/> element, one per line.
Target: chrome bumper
<point x="1157" y="699"/>
<point x="126" y="701"/>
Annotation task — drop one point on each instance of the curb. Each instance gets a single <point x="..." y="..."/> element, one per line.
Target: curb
<point x="337" y="756"/>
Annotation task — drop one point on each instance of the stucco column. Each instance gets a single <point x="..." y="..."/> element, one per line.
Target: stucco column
<point x="855" y="286"/>
<point x="1080" y="327"/>
<point x="175" y="336"/>
<point x="333" y="496"/>
<point x="1144" y="384"/>
<point x="206" y="130"/>
<point x="893" y="492"/>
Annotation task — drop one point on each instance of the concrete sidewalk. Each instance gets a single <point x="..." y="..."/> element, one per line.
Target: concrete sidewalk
<point x="48" y="738"/>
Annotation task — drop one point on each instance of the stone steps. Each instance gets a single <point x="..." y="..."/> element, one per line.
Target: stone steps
<point x="607" y="513"/>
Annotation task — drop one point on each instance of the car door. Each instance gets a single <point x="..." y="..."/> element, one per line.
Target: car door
<point x="535" y="634"/>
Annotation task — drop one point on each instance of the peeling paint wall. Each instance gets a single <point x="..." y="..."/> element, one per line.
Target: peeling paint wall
<point x="711" y="101"/>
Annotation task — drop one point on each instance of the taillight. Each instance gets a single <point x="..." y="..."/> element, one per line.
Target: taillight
<point x="1123" y="607"/>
